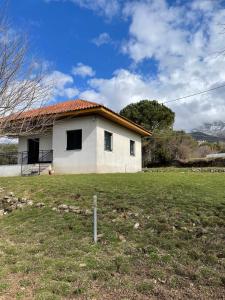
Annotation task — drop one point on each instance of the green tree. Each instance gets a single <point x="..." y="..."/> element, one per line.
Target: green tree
<point x="164" y="147"/>
<point x="150" y="114"/>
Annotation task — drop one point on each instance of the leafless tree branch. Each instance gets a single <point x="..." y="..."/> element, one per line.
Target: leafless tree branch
<point x="23" y="85"/>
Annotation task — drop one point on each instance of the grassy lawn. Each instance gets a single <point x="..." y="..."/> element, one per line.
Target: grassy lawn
<point x="177" y="252"/>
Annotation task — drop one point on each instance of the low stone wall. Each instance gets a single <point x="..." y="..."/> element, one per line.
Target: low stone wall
<point x="10" y="170"/>
<point x="175" y="169"/>
<point x="217" y="162"/>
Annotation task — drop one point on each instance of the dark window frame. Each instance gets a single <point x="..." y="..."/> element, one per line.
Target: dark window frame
<point x="132" y="148"/>
<point x="106" y="147"/>
<point x="71" y="144"/>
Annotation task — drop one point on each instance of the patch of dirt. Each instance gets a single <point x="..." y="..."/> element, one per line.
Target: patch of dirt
<point x="159" y="293"/>
<point x="194" y="293"/>
<point x="75" y="196"/>
<point x="17" y="288"/>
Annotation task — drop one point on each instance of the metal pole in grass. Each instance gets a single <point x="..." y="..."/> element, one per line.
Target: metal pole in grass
<point x="95" y="218"/>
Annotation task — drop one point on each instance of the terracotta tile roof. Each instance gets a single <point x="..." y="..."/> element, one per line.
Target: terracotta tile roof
<point x="80" y="106"/>
<point x="61" y="107"/>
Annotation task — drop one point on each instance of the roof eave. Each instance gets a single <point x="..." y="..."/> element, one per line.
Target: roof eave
<point x="110" y="115"/>
<point x="106" y="113"/>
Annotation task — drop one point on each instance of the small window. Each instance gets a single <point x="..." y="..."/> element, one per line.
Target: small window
<point x="74" y="139"/>
<point x="132" y="147"/>
<point x="108" y="141"/>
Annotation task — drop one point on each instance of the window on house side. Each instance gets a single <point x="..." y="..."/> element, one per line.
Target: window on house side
<point x="132" y="147"/>
<point x="108" y="141"/>
<point x="74" y="139"/>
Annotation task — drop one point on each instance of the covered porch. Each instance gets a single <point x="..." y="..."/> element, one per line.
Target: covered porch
<point x="34" y="155"/>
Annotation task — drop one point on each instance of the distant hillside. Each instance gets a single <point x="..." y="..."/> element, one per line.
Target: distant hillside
<point x="200" y="136"/>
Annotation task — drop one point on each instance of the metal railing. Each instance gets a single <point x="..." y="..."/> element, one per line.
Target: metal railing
<point x="35" y="168"/>
<point x="45" y="156"/>
<point x="15" y="158"/>
<point x="9" y="158"/>
<point x="28" y="167"/>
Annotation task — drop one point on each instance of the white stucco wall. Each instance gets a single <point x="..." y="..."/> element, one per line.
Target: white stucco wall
<point x="45" y="141"/>
<point x="92" y="158"/>
<point x="75" y="161"/>
<point x="119" y="159"/>
<point x="10" y="170"/>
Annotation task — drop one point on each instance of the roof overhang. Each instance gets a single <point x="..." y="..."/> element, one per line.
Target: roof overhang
<point x="110" y="115"/>
<point x="97" y="110"/>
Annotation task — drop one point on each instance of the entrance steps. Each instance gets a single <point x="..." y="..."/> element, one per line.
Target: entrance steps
<point x="35" y="169"/>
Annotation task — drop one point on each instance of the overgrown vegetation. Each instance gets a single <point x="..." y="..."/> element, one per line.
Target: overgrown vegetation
<point x="8" y="148"/>
<point x="167" y="146"/>
<point x="176" y="252"/>
<point x="8" y="154"/>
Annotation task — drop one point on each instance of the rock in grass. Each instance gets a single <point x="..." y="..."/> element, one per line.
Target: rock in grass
<point x="14" y="200"/>
<point x="74" y="209"/>
<point x="40" y="204"/>
<point x="87" y="212"/>
<point x="20" y="205"/>
<point x="30" y="202"/>
<point x="63" y="207"/>
<point x="100" y="236"/>
<point x="82" y="265"/>
<point x="2" y="212"/>
<point x="122" y="238"/>
<point x="9" y="209"/>
<point x="136" y="225"/>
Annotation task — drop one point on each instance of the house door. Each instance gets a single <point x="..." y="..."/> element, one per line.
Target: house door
<point x="33" y="151"/>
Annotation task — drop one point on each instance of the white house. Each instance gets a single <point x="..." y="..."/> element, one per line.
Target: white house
<point x="85" y="137"/>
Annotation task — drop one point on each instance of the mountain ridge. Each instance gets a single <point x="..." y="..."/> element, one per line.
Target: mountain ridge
<point x="215" y="129"/>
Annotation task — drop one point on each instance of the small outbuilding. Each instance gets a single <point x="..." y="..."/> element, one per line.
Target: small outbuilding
<point x="84" y="137"/>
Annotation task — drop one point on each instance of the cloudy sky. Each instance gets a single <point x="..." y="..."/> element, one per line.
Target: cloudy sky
<point x="120" y="51"/>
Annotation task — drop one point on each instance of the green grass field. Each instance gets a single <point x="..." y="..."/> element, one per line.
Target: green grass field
<point x="178" y="251"/>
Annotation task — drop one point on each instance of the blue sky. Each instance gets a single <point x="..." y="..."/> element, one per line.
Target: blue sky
<point x="117" y="51"/>
<point x="63" y="33"/>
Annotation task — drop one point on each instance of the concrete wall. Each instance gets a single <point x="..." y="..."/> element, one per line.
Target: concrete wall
<point x="10" y="170"/>
<point x="75" y="161"/>
<point x="215" y="155"/>
<point x="119" y="159"/>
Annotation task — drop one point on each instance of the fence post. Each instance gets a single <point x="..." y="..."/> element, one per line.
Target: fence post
<point x="21" y="163"/>
<point x="95" y="218"/>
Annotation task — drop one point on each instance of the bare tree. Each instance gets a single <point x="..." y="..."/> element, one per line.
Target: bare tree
<point x="23" y="85"/>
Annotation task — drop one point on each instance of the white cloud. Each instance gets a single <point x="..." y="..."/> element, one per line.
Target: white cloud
<point x="103" y="38"/>
<point x="124" y="87"/>
<point x="183" y="41"/>
<point x="83" y="70"/>
<point x="63" y="85"/>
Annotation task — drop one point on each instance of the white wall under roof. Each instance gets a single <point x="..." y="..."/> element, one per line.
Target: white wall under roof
<point x="92" y="158"/>
<point x="119" y="159"/>
<point x="45" y="141"/>
<point x="75" y="161"/>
